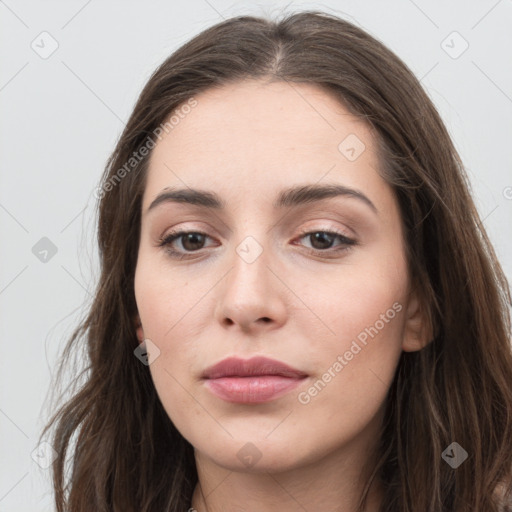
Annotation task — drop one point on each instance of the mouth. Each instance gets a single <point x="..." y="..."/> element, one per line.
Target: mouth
<point x="251" y="381"/>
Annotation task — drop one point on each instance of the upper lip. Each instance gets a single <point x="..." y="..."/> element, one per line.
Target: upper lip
<point x="236" y="367"/>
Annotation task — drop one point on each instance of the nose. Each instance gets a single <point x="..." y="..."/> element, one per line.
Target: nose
<point x="251" y="297"/>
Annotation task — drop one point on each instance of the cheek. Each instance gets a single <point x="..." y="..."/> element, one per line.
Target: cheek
<point x="172" y="315"/>
<point x="354" y="298"/>
<point x="355" y="366"/>
<point x="357" y="345"/>
<point x="167" y="302"/>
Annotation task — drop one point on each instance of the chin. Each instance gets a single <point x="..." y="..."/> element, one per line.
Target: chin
<point x="258" y="454"/>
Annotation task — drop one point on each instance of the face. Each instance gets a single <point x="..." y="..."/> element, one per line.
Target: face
<point x="315" y="279"/>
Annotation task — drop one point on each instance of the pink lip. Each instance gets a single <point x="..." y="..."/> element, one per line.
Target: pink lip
<point x="254" y="380"/>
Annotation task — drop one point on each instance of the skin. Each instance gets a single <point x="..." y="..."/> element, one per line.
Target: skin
<point x="246" y="142"/>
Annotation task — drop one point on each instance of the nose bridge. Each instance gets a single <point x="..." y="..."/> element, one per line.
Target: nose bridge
<point x="250" y="292"/>
<point x="249" y="275"/>
<point x="251" y="253"/>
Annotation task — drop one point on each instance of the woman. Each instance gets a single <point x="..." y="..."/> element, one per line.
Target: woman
<point x="299" y="308"/>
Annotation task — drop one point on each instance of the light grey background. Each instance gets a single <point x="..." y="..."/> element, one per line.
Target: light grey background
<point x="62" y="115"/>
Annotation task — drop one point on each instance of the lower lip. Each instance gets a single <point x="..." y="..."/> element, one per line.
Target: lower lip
<point x="252" y="390"/>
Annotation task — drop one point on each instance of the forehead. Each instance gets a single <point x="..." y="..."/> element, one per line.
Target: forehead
<point x="254" y="137"/>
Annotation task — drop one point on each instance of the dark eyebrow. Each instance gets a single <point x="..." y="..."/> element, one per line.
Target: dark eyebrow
<point x="310" y="193"/>
<point x="287" y="198"/>
<point x="188" y="196"/>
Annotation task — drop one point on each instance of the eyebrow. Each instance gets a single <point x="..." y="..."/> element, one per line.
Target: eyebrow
<point x="288" y="198"/>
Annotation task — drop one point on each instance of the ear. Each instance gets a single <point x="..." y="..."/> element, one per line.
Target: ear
<point x="138" y="328"/>
<point x="418" y="332"/>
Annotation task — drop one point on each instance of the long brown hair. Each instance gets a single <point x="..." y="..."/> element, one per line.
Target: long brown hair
<point x="127" y="454"/>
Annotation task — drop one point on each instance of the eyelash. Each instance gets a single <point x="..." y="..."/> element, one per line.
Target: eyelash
<point x="346" y="243"/>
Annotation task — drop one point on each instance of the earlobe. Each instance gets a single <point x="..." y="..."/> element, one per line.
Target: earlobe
<point x="417" y="329"/>
<point x="138" y="328"/>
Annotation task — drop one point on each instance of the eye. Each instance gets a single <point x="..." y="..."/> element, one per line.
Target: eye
<point x="322" y="241"/>
<point x="191" y="241"/>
